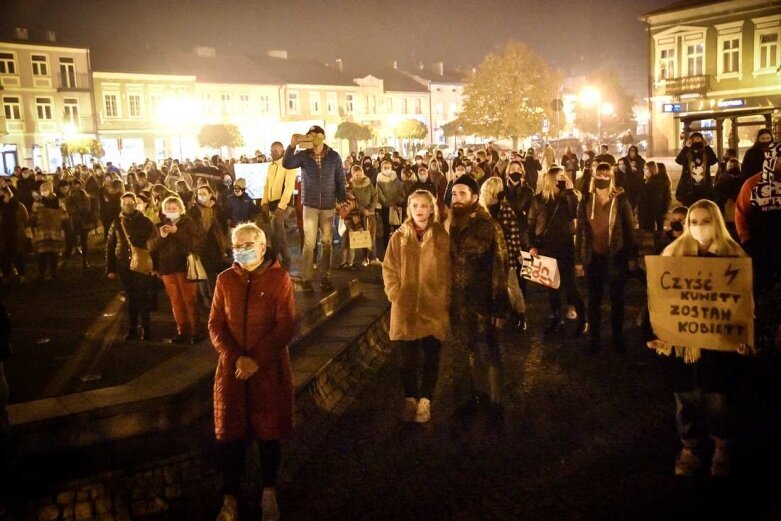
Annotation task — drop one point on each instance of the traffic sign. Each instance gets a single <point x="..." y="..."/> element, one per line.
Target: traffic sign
<point x="545" y="126"/>
<point x="557" y="105"/>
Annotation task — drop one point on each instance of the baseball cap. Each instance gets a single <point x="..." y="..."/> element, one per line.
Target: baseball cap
<point x="240" y="183"/>
<point x="315" y="129"/>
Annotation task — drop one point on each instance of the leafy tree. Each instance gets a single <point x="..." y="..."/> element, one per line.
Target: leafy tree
<point x="220" y="135"/>
<point x="611" y="91"/>
<point x="87" y="146"/>
<point x="353" y="132"/>
<point x="453" y="128"/>
<point x="410" y="129"/>
<point x="508" y="96"/>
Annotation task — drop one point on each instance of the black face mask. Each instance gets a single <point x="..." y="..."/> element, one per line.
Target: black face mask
<point x="676" y="226"/>
<point x="602" y="183"/>
<point x="515" y="177"/>
<point x="698" y="145"/>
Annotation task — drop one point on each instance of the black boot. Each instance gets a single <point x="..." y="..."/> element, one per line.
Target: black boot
<point x="554" y="322"/>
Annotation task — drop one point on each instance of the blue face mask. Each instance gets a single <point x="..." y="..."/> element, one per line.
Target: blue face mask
<point x="245" y="256"/>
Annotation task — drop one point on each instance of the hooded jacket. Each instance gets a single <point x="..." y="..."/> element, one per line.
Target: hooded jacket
<point x="321" y="187"/>
<point x="620" y="226"/>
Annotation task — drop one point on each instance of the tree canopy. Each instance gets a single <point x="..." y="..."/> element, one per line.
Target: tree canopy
<point x="220" y="135"/>
<point x="508" y="95"/>
<point x="352" y="131"/>
<point x="410" y="129"/>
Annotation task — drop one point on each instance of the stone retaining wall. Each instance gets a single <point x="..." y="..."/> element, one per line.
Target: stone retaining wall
<point x="166" y="488"/>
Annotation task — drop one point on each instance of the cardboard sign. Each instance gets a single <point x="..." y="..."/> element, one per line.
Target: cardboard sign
<point x="255" y="174"/>
<point x="703" y="302"/>
<point x="542" y="270"/>
<point x="360" y="240"/>
<point x="394" y="216"/>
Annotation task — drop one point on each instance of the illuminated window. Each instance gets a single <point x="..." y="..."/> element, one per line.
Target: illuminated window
<point x="43" y="107"/>
<point x="265" y="104"/>
<point x="695" y="53"/>
<point x="244" y="99"/>
<point x="418" y="106"/>
<point x="71" y="111"/>
<point x="292" y="102"/>
<point x="666" y="63"/>
<point x="349" y="103"/>
<point x="225" y="103"/>
<point x="331" y="103"/>
<point x="768" y="50"/>
<point x="314" y="103"/>
<point x="67" y="73"/>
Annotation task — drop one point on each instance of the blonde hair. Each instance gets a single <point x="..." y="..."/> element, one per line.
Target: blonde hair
<point x="489" y="191"/>
<point x="602" y="167"/>
<point x="723" y="244"/>
<point x="432" y="201"/>
<point x="548" y="189"/>
<point x="174" y="199"/>
<point x="252" y="228"/>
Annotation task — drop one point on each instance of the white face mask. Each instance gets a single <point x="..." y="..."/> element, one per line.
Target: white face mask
<point x="45" y="193"/>
<point x="702" y="233"/>
<point x="203" y="199"/>
<point x="172" y="215"/>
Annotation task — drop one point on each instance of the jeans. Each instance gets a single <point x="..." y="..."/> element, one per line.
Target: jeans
<point x="314" y="220"/>
<point x="232" y="456"/>
<point x="417" y="383"/>
<point x="279" y="237"/>
<point x="613" y="270"/>
<point x="698" y="413"/>
<point x="184" y="302"/>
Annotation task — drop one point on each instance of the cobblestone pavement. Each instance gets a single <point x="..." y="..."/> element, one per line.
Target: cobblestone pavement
<point x="584" y="436"/>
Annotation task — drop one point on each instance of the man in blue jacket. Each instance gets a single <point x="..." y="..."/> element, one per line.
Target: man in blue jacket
<point x="322" y="186"/>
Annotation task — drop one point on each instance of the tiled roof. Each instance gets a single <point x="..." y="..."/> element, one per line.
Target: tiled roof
<point x="447" y="77"/>
<point x="682" y="4"/>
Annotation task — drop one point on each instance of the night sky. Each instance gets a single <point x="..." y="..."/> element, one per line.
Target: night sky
<point x="566" y="33"/>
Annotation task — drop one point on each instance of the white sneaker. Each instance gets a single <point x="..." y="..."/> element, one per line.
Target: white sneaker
<point x="409" y="410"/>
<point x="571" y="313"/>
<point x="423" y="414"/>
<point x="268" y="505"/>
<point x="376" y="262"/>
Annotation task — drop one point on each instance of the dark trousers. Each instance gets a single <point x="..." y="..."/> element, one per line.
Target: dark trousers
<point x="80" y="238"/>
<point x="7" y="260"/>
<point x="138" y="288"/>
<point x="232" y="456"/>
<point x="419" y="382"/>
<point x="565" y="257"/>
<point x="386" y="228"/>
<point x="613" y="270"/>
<point x="476" y="357"/>
<point x="47" y="259"/>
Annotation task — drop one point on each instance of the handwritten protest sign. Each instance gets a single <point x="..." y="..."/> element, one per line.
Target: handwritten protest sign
<point x="703" y="302"/>
<point x="542" y="270"/>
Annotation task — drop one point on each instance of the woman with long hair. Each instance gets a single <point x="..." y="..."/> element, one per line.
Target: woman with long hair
<point x="416" y="272"/>
<point x="655" y="197"/>
<point x="551" y="228"/>
<point x="703" y="381"/>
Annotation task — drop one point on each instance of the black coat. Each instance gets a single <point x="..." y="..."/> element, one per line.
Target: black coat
<point x="753" y="160"/>
<point x="551" y="223"/>
<point x="690" y="190"/>
<point x="654" y="199"/>
<point x="141" y="231"/>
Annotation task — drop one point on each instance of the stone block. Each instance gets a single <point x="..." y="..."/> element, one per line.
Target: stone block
<point x="103" y="505"/>
<point x="68" y="497"/>
<point x="48" y="513"/>
<point x="147" y="507"/>
<point x="83" y="510"/>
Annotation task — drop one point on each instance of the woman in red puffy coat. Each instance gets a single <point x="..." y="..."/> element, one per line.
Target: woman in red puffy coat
<point x="251" y="323"/>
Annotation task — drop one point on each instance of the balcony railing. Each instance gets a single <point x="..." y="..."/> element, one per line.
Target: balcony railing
<point x="687" y="85"/>
<point x="73" y="82"/>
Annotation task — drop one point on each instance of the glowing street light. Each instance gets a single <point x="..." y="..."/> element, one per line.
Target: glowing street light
<point x="607" y="109"/>
<point x="591" y="96"/>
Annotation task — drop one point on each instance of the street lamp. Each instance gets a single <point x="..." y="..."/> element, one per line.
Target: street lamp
<point x="592" y="96"/>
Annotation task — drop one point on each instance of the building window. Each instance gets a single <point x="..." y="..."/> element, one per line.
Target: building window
<point x="768" y="51"/>
<point x="265" y="104"/>
<point x="418" y="106"/>
<point x="40" y="64"/>
<point x="154" y="105"/>
<point x="666" y="64"/>
<point x="695" y="53"/>
<point x="71" y="111"/>
<point x="7" y="63"/>
<point x="730" y="56"/>
<point x="440" y="108"/>
<point x="314" y="103"/>
<point x="293" y="106"/>
<point x="67" y="73"/>
<point x="44" y="108"/>
<point x="244" y="99"/>
<point x="349" y="103"/>
<point x="453" y="109"/>
<point x="331" y="103"/>
<point x="404" y="106"/>
<point x="206" y="104"/>
<point x="12" y="108"/>
<point x="225" y="103"/>
<point x="110" y="101"/>
<point x="135" y="105"/>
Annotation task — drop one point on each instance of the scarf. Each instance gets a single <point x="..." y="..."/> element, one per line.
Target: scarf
<point x="766" y="193"/>
<point x="207" y="217"/>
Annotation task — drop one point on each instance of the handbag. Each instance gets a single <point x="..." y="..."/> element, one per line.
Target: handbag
<point x="394" y="216"/>
<point x="140" y="258"/>
<point x="360" y="239"/>
<point x="195" y="270"/>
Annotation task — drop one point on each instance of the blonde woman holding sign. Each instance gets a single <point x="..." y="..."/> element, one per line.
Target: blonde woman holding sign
<point x="703" y="381"/>
<point x="416" y="271"/>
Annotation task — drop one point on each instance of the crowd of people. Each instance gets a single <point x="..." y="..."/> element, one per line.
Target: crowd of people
<point x="448" y="235"/>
